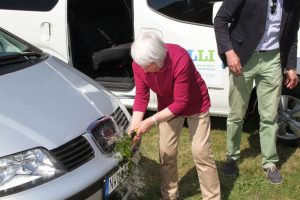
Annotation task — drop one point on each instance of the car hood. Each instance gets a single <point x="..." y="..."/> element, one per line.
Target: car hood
<point x="47" y="105"/>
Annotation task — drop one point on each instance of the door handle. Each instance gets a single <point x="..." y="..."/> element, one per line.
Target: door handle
<point x="46" y="31"/>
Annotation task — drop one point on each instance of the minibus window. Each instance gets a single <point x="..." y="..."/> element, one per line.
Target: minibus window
<point x="30" y="5"/>
<point x="196" y="11"/>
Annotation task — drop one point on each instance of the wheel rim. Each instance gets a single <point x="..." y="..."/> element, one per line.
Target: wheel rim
<point x="289" y="118"/>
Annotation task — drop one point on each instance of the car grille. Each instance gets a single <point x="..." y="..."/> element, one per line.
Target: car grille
<point x="104" y="132"/>
<point x="121" y="119"/>
<point x="74" y="153"/>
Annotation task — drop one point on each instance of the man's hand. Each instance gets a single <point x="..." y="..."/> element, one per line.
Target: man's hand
<point x="291" y="80"/>
<point x="233" y="62"/>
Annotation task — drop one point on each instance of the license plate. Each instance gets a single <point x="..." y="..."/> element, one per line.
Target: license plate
<point x="114" y="180"/>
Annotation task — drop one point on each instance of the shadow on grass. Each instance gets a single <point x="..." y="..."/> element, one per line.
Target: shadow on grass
<point x="152" y="180"/>
<point x="189" y="184"/>
<point x="226" y="182"/>
<point x="284" y="150"/>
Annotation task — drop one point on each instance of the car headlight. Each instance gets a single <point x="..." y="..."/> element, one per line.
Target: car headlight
<point x="27" y="169"/>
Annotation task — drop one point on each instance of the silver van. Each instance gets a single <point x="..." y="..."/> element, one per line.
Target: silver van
<point x="57" y="128"/>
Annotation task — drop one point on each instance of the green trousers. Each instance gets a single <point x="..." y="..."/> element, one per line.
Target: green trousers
<point x="263" y="69"/>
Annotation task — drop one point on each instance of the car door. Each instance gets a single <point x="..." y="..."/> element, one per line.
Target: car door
<point x="189" y="24"/>
<point x="40" y="22"/>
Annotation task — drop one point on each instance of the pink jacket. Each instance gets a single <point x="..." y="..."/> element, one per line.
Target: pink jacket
<point x="178" y="85"/>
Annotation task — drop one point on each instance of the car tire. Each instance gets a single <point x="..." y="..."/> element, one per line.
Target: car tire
<point x="288" y="116"/>
<point x="289" y="120"/>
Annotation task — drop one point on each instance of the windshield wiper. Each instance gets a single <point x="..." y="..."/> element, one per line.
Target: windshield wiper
<point x="25" y="55"/>
<point x="18" y="57"/>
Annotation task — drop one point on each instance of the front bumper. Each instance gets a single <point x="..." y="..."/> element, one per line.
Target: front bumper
<point x="84" y="182"/>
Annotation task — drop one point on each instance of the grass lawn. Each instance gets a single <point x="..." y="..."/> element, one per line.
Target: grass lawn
<point x="250" y="184"/>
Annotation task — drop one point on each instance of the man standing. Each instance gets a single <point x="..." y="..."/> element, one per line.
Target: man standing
<point x="257" y="40"/>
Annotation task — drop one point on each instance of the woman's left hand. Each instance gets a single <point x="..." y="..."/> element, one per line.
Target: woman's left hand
<point x="144" y="126"/>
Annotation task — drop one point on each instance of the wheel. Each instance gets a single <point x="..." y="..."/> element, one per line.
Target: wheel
<point x="289" y="119"/>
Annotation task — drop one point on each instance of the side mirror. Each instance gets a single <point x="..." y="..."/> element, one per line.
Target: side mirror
<point x="216" y="8"/>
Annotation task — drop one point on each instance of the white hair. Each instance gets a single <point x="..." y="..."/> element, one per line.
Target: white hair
<point x="148" y="48"/>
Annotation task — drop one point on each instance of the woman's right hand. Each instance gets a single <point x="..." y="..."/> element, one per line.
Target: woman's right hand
<point x="136" y="119"/>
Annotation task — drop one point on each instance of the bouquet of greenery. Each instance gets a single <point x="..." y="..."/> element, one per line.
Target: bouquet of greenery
<point x="126" y="151"/>
<point x="126" y="147"/>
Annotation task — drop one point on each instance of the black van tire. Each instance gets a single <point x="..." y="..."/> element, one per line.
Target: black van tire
<point x="288" y="115"/>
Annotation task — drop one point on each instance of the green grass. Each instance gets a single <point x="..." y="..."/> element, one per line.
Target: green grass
<point x="250" y="184"/>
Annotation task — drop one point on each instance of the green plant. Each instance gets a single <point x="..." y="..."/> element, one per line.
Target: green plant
<point x="128" y="155"/>
<point x="123" y="147"/>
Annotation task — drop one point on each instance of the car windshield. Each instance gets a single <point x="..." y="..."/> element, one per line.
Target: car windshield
<point x="9" y="45"/>
<point x="14" y="50"/>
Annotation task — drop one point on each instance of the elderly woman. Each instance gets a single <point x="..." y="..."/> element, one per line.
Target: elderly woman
<point x="168" y="70"/>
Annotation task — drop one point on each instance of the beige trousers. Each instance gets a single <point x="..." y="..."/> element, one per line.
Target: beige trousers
<point x="199" y="129"/>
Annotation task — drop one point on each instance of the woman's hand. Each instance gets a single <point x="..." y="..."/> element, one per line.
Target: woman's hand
<point x="136" y="119"/>
<point x="143" y="127"/>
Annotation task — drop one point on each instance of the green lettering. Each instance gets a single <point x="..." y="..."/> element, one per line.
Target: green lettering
<point x="207" y="56"/>
<point x="201" y="56"/>
<point x="211" y="55"/>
